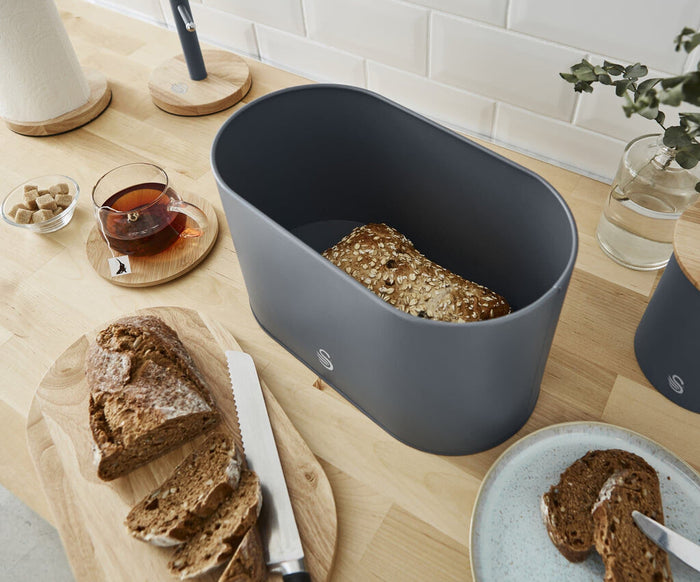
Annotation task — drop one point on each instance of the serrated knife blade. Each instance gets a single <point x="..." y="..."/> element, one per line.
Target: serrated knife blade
<point x="278" y="528"/>
<point x="667" y="539"/>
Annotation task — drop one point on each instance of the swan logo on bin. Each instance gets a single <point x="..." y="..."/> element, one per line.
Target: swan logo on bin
<point x="675" y="382"/>
<point x="325" y="358"/>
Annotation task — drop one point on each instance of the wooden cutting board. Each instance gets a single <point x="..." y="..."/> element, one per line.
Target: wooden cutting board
<point x="89" y="513"/>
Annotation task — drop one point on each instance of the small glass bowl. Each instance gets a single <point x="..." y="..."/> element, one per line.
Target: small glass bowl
<point x="16" y="196"/>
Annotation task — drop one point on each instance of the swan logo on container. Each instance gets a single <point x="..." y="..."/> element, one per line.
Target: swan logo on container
<point x="325" y="358"/>
<point x="675" y="383"/>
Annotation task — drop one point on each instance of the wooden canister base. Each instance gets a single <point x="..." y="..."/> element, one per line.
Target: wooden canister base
<point x="228" y="80"/>
<point x="100" y="96"/>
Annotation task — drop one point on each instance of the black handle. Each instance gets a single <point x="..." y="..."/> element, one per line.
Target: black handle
<point x="189" y="42"/>
<point x="297" y="577"/>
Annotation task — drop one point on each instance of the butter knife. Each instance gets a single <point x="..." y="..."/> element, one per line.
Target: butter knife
<point x="669" y="540"/>
<point x="278" y="529"/>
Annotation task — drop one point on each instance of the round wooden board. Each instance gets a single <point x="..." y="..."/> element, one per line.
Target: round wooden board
<point x="100" y="96"/>
<point x="89" y="513"/>
<point x="228" y="80"/>
<point x="686" y="244"/>
<point x="183" y="256"/>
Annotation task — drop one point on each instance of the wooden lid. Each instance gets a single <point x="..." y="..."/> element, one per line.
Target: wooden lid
<point x="686" y="243"/>
<point x="228" y="80"/>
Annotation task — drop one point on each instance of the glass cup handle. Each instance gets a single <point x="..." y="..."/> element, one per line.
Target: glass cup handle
<point x="194" y="213"/>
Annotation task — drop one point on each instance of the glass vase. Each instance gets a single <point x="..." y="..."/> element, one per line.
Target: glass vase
<point x="648" y="195"/>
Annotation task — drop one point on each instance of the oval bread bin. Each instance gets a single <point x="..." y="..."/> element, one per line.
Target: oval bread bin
<point x="299" y="168"/>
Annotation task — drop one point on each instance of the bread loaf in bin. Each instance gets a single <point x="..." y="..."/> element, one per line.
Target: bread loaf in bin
<point x="299" y="169"/>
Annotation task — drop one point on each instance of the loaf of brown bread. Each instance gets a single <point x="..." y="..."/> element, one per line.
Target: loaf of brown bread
<point x="216" y="541"/>
<point x="566" y="507"/>
<point x="173" y="512"/>
<point x="146" y="394"/>
<point x="387" y="263"/>
<point x="627" y="553"/>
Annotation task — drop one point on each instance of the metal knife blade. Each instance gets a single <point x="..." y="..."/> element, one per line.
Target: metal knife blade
<point x="278" y="528"/>
<point x="669" y="540"/>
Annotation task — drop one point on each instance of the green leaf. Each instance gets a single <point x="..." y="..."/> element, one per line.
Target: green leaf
<point x="691" y="89"/>
<point x="675" y="137"/>
<point x="673" y="81"/>
<point x="635" y="71"/>
<point x="604" y="79"/>
<point x="686" y="160"/>
<point x="645" y="86"/>
<point x="660" y="118"/>
<point x="613" y="68"/>
<point x="583" y="86"/>
<point x="649" y="112"/>
<point x="697" y="186"/>
<point x="568" y="77"/>
<point x="621" y="86"/>
<point x="672" y="96"/>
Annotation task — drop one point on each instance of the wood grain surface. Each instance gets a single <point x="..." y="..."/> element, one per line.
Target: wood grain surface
<point x="228" y="80"/>
<point x="686" y="244"/>
<point x="402" y="514"/>
<point x="98" y="100"/>
<point x="90" y="512"/>
<point x="180" y="258"/>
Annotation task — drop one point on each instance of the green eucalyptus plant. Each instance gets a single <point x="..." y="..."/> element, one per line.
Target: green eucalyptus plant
<point x="645" y="97"/>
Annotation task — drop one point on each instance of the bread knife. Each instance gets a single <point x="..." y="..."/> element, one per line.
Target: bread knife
<point x="667" y="539"/>
<point x="278" y="529"/>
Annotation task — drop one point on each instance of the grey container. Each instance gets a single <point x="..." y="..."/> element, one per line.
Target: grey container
<point x="299" y="168"/>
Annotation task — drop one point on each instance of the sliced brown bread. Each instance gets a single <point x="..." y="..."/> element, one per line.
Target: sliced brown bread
<point x="173" y="512"/>
<point x="219" y="536"/>
<point x="248" y="563"/>
<point x="146" y="394"/>
<point x="566" y="507"/>
<point x="627" y="553"/>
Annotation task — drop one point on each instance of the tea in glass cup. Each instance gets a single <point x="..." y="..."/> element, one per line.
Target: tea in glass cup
<point x="139" y="213"/>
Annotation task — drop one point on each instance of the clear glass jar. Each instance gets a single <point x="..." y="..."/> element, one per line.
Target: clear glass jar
<point x="648" y="195"/>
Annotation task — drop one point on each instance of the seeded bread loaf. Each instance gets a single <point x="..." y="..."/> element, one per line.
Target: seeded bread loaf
<point x="387" y="263"/>
<point x="173" y="512"/>
<point x="248" y="563"/>
<point x="627" y="553"/>
<point x="146" y="395"/>
<point x="566" y="507"/>
<point x="217" y="539"/>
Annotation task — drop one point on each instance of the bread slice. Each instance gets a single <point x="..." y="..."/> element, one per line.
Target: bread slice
<point x="248" y="563"/>
<point x="173" y="512"/>
<point x="566" y="507"/>
<point x="221" y="534"/>
<point x="146" y="395"/>
<point x="627" y="553"/>
<point x="387" y="263"/>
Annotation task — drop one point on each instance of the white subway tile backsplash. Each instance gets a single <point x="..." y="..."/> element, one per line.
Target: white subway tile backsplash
<point x="283" y="14"/>
<point x="489" y="67"/>
<point x="440" y="102"/>
<point x="303" y="56"/>
<point x="561" y="142"/>
<point x="394" y="33"/>
<point x="504" y="66"/>
<point x="641" y="31"/>
<point x="491" y="11"/>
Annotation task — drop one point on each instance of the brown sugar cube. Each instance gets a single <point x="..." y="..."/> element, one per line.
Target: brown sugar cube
<point x="30" y="197"/>
<point x="23" y="216"/>
<point x="42" y="215"/>
<point x="63" y="200"/>
<point x="28" y="187"/>
<point x="46" y="202"/>
<point x="57" y="189"/>
<point x="15" y="208"/>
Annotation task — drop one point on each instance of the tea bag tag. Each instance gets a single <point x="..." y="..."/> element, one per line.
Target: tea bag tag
<point x="119" y="266"/>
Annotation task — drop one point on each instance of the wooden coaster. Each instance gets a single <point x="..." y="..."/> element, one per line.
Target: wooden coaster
<point x="228" y="80"/>
<point x="686" y="244"/>
<point x="183" y="256"/>
<point x="100" y="96"/>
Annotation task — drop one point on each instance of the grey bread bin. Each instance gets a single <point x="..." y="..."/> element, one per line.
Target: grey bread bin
<point x="299" y="168"/>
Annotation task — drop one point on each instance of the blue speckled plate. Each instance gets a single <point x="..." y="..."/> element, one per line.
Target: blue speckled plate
<point x="508" y="540"/>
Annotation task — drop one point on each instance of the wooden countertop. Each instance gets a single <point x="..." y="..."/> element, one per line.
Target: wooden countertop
<point x="402" y="514"/>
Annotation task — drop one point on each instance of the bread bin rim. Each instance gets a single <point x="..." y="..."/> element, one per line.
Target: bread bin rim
<point x="559" y="285"/>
